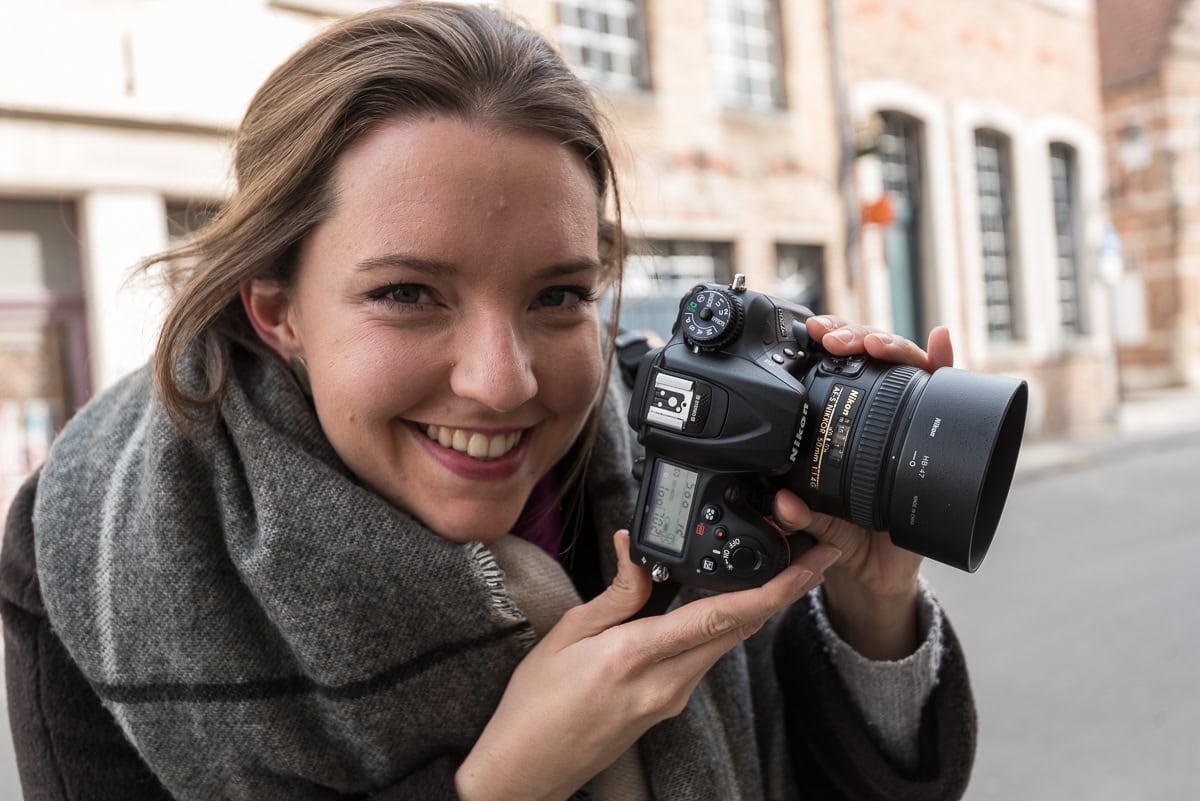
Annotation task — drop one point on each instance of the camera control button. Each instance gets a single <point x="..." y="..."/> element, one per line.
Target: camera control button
<point x="711" y="513"/>
<point x="708" y="565"/>
<point x="847" y="366"/>
<point x="775" y="357"/>
<point x="744" y="557"/>
<point x="791" y="354"/>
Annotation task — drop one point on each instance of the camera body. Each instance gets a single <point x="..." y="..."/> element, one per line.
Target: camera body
<point x="740" y="403"/>
<point x="720" y="410"/>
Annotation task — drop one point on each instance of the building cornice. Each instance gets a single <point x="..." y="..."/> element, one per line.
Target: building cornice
<point x="108" y="120"/>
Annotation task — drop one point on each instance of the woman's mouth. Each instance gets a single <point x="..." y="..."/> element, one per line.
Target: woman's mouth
<point x="475" y="444"/>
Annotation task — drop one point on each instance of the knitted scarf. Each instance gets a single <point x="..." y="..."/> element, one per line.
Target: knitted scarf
<point x="262" y="626"/>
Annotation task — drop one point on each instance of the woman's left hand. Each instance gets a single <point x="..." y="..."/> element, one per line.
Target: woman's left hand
<point x="871" y="593"/>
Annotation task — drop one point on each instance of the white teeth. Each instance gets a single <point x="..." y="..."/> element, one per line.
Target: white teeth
<point x="477" y="446"/>
<point x="473" y="443"/>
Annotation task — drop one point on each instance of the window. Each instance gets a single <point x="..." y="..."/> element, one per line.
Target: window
<point x="800" y="275"/>
<point x="901" y="144"/>
<point x="993" y="169"/>
<point x="745" y="46"/>
<point x="603" y="41"/>
<point x="1064" y="180"/>
<point x="658" y="272"/>
<point x="43" y="334"/>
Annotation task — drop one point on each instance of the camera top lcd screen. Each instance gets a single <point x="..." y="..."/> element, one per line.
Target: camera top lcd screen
<point x="670" y="501"/>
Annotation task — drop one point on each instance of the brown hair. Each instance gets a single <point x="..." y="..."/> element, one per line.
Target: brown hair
<point x="466" y="62"/>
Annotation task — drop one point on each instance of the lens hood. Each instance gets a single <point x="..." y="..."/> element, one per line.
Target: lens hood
<point x="955" y="465"/>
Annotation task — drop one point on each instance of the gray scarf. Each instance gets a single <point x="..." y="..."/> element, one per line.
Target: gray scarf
<point x="263" y="627"/>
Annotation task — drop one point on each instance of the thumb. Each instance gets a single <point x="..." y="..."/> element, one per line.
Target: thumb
<point x="622" y="599"/>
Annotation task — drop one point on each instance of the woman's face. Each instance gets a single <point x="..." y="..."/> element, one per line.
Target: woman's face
<point x="445" y="310"/>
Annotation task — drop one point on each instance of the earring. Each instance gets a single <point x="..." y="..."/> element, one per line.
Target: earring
<point x="300" y="370"/>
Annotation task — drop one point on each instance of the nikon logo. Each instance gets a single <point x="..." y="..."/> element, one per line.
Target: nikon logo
<point x="795" y="453"/>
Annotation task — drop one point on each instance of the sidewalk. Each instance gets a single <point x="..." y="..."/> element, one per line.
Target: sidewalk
<point x="1145" y="420"/>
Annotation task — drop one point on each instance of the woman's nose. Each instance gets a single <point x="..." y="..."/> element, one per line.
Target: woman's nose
<point x="494" y="367"/>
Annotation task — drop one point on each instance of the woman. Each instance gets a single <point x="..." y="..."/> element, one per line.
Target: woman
<point x="315" y="553"/>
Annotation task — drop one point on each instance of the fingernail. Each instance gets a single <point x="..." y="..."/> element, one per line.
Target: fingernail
<point x="843" y="335"/>
<point x="886" y="339"/>
<point x="828" y="557"/>
<point x="802" y="579"/>
<point x="822" y="321"/>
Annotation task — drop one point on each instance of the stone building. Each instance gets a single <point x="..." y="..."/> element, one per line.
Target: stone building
<point x="1149" y="59"/>
<point x="752" y="134"/>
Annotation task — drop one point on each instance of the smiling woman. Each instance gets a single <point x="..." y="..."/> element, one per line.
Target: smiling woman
<point x="470" y="313"/>
<point x="356" y="531"/>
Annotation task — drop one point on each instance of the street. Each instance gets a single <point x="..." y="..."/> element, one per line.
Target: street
<point x="1082" y="634"/>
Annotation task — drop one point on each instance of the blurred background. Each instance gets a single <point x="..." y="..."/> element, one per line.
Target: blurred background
<point x="1026" y="172"/>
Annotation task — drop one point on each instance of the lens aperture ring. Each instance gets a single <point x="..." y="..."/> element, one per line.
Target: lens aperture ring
<point x="870" y="450"/>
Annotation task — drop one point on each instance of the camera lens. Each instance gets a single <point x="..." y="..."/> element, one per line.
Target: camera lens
<point x="928" y="457"/>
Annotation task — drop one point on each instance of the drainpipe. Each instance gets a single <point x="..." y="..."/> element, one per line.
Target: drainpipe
<point x="846" y="148"/>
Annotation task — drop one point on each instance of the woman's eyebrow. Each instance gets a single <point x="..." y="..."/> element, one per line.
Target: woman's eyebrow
<point x="570" y="267"/>
<point x="441" y="268"/>
<point x="421" y="264"/>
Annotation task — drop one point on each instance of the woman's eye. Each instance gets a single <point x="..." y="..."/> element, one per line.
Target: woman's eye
<point x="564" y="296"/>
<point x="403" y="294"/>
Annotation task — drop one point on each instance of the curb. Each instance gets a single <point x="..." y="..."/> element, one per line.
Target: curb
<point x="1044" y="459"/>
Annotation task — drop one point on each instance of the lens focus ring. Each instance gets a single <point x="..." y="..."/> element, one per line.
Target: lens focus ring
<point x="870" y="449"/>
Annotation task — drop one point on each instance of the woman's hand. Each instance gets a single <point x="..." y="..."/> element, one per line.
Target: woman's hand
<point x="595" y="683"/>
<point x="871" y="593"/>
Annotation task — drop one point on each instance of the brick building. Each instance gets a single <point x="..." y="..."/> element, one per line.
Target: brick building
<point x="1149" y="58"/>
<point x="989" y="147"/>
<point x="749" y="130"/>
<point x="979" y="122"/>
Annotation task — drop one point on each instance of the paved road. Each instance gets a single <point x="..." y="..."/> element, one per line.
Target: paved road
<point x="1082" y="630"/>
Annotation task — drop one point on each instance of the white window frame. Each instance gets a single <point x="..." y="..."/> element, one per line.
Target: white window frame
<point x="996" y="243"/>
<point x="746" y="53"/>
<point x="611" y="31"/>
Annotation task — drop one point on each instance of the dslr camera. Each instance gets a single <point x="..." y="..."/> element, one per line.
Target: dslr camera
<point x="740" y="403"/>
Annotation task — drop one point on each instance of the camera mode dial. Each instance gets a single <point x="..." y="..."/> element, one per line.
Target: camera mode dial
<point x="711" y="318"/>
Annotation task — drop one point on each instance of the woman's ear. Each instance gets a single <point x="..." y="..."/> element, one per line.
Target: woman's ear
<point x="268" y="306"/>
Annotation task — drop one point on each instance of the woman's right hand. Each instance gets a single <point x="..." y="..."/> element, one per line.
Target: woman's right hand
<point x="595" y="682"/>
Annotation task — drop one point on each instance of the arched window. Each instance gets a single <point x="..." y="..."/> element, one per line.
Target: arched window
<point x="900" y="148"/>
<point x="993" y="167"/>
<point x="1064" y="183"/>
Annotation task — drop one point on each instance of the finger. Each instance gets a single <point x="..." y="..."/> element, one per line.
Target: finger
<point x="794" y="514"/>
<point x="836" y="335"/>
<point x="941" y="350"/>
<point x="718" y="620"/>
<point x="736" y="615"/>
<point x="791" y="512"/>
<point x="896" y="349"/>
<point x="627" y="593"/>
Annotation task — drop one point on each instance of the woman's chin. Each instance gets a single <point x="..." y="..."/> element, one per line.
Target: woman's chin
<point x="486" y="528"/>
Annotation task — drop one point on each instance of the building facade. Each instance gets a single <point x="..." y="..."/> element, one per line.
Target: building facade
<point x="905" y="163"/>
<point x="1150" y="55"/>
<point x="985" y="123"/>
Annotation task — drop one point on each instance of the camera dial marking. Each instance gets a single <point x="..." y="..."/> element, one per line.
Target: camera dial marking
<point x="711" y="318"/>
